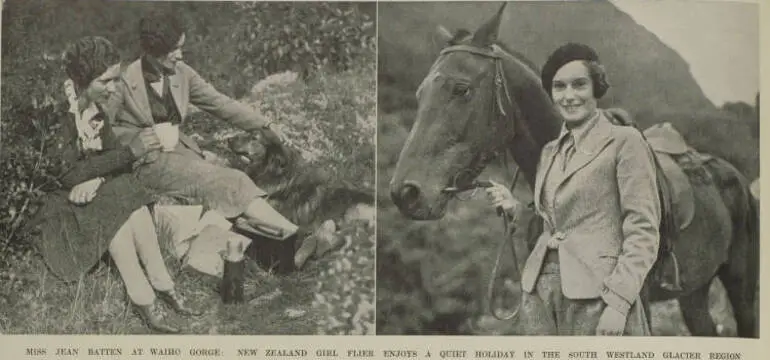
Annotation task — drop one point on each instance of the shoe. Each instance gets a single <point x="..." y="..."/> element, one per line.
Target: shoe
<point x="305" y="251"/>
<point x="176" y="301"/>
<point x="327" y="239"/>
<point x="153" y="317"/>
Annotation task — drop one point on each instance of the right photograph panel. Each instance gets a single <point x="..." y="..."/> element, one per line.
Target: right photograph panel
<point x="568" y="168"/>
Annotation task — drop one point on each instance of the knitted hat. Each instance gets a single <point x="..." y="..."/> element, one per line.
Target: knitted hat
<point x="567" y="53"/>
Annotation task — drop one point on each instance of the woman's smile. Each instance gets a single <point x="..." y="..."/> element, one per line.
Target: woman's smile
<point x="572" y="91"/>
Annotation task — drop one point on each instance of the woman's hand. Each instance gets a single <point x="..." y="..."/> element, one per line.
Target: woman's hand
<point x="84" y="192"/>
<point x="272" y="140"/>
<point x="145" y="141"/>
<point x="500" y="196"/>
<point x="611" y="323"/>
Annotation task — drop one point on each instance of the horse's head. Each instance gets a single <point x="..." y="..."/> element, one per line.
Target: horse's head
<point x="467" y="114"/>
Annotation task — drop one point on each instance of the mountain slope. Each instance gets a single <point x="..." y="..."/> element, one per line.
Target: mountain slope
<point x="643" y="71"/>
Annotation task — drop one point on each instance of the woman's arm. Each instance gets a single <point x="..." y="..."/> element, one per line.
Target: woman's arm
<point x="640" y="214"/>
<point x="112" y="159"/>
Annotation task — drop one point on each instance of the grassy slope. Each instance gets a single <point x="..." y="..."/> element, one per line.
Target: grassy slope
<point x="37" y="303"/>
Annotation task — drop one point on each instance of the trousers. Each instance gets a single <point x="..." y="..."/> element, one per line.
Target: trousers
<point x="137" y="241"/>
<point x="546" y="311"/>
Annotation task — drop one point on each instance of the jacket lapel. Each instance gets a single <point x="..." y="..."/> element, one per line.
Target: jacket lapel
<point x="549" y="154"/>
<point x="138" y="90"/>
<point x="589" y="147"/>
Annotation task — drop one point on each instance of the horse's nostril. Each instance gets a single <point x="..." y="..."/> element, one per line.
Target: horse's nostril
<point x="407" y="194"/>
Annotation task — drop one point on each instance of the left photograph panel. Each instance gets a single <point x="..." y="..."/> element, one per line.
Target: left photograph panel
<point x="187" y="167"/>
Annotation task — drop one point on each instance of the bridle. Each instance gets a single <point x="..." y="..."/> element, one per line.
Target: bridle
<point x="502" y="96"/>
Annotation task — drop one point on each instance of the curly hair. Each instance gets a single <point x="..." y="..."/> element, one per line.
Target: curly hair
<point x="159" y="33"/>
<point x="88" y="58"/>
<point x="576" y="52"/>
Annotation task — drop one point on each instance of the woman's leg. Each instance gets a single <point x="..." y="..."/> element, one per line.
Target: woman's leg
<point x="124" y="255"/>
<point x="124" y="252"/>
<point x="148" y="248"/>
<point x="260" y="212"/>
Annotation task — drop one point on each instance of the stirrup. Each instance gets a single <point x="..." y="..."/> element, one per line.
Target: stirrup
<point x="677" y="282"/>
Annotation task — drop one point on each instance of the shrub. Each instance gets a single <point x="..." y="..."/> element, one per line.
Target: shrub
<point x="308" y="37"/>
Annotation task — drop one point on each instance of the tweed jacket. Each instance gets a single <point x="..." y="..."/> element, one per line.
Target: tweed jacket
<point x="603" y="217"/>
<point x="130" y="107"/>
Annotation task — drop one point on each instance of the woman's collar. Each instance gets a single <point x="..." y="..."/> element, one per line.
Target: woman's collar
<point x="154" y="68"/>
<point x="580" y="131"/>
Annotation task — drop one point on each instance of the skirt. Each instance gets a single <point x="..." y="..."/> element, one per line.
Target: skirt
<point x="73" y="238"/>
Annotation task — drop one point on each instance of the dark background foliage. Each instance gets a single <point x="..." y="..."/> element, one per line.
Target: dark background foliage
<point x="431" y="276"/>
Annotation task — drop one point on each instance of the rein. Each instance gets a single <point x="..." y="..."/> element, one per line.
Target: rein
<point x="501" y="92"/>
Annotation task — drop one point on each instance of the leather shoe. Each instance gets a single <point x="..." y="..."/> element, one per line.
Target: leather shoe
<point x="176" y="301"/>
<point x="153" y="317"/>
<point x="305" y="251"/>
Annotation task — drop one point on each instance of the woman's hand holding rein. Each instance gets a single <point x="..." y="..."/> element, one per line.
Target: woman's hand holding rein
<point x="501" y="197"/>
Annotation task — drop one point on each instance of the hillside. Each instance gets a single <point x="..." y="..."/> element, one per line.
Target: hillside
<point x="642" y="70"/>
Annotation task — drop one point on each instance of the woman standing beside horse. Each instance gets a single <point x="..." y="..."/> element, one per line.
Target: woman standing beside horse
<point x="596" y="190"/>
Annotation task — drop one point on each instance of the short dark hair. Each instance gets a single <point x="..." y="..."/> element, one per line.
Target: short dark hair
<point x="573" y="52"/>
<point x="159" y="32"/>
<point x="88" y="58"/>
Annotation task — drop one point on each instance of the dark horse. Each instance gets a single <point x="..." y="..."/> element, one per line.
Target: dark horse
<point x="479" y="101"/>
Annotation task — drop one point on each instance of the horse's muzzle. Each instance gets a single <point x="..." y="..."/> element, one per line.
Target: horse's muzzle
<point x="406" y="195"/>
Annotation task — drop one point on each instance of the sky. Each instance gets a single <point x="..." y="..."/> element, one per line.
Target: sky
<point x="719" y="39"/>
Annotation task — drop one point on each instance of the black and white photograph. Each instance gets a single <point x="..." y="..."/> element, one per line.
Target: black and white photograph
<point x="568" y="168"/>
<point x="187" y="168"/>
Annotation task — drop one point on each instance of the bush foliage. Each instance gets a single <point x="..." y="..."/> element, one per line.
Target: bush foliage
<point x="308" y="37"/>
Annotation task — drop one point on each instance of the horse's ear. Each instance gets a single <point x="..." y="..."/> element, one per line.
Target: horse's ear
<point x="487" y="33"/>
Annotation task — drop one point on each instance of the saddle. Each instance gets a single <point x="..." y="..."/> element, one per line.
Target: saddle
<point x="682" y="166"/>
<point x="678" y="166"/>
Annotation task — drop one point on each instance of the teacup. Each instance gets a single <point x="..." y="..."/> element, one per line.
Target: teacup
<point x="168" y="134"/>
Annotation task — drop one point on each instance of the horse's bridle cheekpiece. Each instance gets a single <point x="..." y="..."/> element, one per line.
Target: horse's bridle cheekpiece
<point x="497" y="54"/>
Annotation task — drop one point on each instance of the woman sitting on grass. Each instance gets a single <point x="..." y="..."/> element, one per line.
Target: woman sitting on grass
<point x="98" y="205"/>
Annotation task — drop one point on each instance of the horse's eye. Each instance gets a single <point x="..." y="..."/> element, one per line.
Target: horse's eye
<point x="461" y="90"/>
